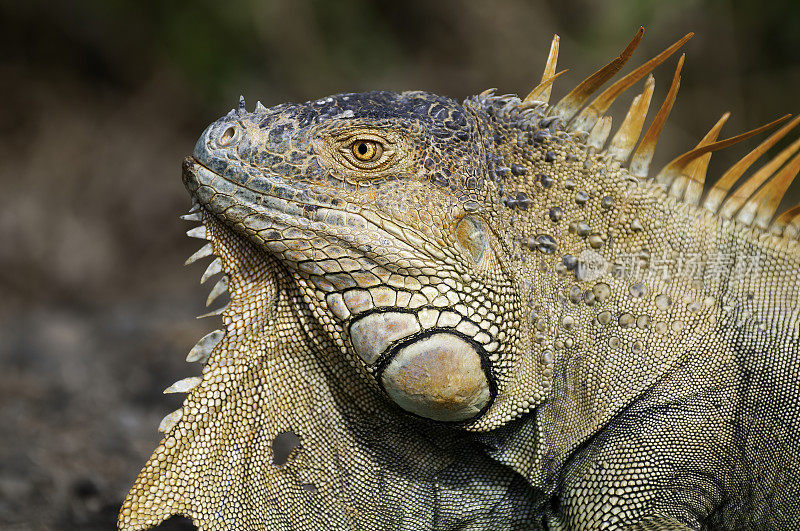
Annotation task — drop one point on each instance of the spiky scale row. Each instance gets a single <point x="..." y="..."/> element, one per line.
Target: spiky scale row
<point x="572" y="102"/>
<point x="184" y="386"/>
<point x="600" y="105"/>
<point x="214" y="268"/>
<point x="169" y="421"/>
<point x="541" y="93"/>
<point x="600" y="132"/>
<point x="684" y="176"/>
<point x="723" y="186"/>
<point x="687" y="184"/>
<point x="793" y="225"/>
<point x="203" y="252"/>
<point x="640" y="161"/>
<point x="219" y="288"/>
<point x="192" y="216"/>
<point x="627" y="135"/>
<point x="765" y="202"/>
<point x="203" y="348"/>
<point x="213" y="313"/>
<point x="198" y="232"/>
<point x="783" y="223"/>
<point x="681" y="162"/>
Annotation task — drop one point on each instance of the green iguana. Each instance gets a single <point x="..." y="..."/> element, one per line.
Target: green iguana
<point x="485" y="315"/>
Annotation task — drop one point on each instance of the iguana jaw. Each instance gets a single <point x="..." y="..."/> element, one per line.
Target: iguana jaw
<point x="407" y="340"/>
<point x="272" y="373"/>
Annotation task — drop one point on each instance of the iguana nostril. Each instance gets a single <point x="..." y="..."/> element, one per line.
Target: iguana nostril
<point x="228" y="137"/>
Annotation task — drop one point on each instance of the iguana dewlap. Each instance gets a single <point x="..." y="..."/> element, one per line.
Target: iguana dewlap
<point x="486" y="315"/>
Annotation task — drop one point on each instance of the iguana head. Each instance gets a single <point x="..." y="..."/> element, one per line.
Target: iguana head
<point x="431" y="296"/>
<point x="384" y="207"/>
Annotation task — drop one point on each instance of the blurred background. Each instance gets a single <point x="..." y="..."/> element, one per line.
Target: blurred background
<point x="101" y="100"/>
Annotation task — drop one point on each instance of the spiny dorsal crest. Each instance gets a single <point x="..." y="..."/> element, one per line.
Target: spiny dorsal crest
<point x="753" y="202"/>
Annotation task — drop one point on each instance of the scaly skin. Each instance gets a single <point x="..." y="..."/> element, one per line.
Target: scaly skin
<point x="419" y="321"/>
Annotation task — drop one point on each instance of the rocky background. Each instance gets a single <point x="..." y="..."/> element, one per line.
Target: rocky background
<point x="101" y="99"/>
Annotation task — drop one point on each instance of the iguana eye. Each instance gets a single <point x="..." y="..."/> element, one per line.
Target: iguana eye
<point x="366" y="150"/>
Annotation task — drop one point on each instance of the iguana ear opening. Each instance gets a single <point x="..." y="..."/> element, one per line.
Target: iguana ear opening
<point x="472" y="239"/>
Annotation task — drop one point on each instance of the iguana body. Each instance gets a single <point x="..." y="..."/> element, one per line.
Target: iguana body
<point x="477" y="316"/>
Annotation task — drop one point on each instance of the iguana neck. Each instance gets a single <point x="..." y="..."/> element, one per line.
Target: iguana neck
<point x="622" y="280"/>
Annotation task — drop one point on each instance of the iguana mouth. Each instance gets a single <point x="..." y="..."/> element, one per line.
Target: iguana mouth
<point x="218" y="194"/>
<point x="293" y="229"/>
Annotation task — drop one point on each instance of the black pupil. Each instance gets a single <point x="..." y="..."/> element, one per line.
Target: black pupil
<point x="362" y="148"/>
